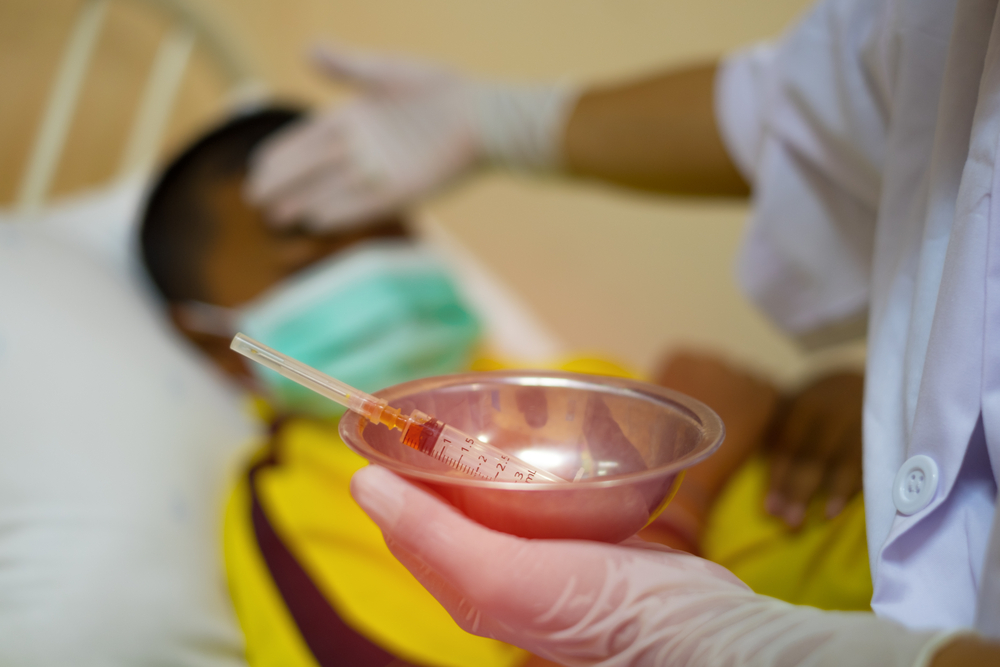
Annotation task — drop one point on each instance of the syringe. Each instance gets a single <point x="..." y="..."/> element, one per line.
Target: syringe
<point x="420" y="431"/>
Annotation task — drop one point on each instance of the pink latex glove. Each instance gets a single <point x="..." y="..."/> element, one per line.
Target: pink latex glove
<point x="412" y="127"/>
<point x="586" y="603"/>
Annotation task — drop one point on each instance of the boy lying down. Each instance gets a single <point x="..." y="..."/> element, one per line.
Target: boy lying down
<point x="310" y="576"/>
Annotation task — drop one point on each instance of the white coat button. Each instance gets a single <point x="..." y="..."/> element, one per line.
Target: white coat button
<point x="915" y="484"/>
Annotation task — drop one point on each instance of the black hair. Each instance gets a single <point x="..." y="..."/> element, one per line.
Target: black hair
<point x="178" y="224"/>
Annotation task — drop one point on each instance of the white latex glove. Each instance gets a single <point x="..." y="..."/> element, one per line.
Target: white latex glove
<point x="412" y="128"/>
<point x="585" y="603"/>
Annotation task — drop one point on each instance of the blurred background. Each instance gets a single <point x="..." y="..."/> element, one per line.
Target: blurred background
<point x="627" y="275"/>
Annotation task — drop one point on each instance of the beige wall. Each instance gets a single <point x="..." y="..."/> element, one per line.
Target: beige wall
<point x="627" y="275"/>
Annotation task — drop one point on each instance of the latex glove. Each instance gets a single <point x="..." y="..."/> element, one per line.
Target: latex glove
<point x="817" y="448"/>
<point x="586" y="603"/>
<point x="412" y="128"/>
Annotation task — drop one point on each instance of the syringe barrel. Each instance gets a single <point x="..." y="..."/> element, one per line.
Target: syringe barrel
<point x="296" y="371"/>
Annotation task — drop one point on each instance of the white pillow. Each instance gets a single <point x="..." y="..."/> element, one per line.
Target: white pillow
<point x="102" y="222"/>
<point x="116" y="442"/>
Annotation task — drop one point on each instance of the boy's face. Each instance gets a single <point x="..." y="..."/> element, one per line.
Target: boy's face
<point x="246" y="257"/>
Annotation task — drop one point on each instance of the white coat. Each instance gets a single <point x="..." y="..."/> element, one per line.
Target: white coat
<point x="870" y="133"/>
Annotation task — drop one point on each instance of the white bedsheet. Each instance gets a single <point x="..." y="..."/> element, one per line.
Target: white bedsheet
<point x="118" y="442"/>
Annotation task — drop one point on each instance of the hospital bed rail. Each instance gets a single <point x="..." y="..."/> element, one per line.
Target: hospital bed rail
<point x="190" y="22"/>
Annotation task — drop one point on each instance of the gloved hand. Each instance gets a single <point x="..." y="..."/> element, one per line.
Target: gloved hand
<point x="412" y="128"/>
<point x="585" y="603"/>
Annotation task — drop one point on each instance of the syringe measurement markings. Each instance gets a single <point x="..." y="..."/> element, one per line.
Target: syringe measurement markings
<point x="476" y="472"/>
<point x="450" y="460"/>
<point x="448" y="442"/>
<point x="501" y="466"/>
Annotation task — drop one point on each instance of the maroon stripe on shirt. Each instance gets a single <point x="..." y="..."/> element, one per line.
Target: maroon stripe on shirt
<point x="332" y="642"/>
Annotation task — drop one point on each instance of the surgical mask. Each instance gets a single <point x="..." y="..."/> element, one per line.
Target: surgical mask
<point x="378" y="314"/>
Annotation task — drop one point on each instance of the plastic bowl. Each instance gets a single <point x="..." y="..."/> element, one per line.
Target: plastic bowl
<point x="631" y="438"/>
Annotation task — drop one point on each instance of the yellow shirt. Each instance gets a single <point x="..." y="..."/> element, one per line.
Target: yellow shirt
<point x="307" y="500"/>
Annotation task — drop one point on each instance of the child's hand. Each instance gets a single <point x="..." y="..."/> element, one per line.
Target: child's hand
<point x="817" y="448"/>
<point x="745" y="402"/>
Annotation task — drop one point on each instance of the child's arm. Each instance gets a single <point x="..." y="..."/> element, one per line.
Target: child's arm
<point x="746" y="405"/>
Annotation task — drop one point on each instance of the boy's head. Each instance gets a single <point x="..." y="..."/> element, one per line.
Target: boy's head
<point x="202" y="243"/>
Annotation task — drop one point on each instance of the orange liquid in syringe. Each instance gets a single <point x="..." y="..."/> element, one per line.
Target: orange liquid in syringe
<point x="422" y="437"/>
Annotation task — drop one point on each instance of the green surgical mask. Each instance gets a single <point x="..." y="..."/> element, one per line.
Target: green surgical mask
<point x="378" y="314"/>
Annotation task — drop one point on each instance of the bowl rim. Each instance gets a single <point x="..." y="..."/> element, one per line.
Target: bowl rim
<point x="714" y="430"/>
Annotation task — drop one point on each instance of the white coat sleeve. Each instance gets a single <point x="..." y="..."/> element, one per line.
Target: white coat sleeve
<point x="805" y="121"/>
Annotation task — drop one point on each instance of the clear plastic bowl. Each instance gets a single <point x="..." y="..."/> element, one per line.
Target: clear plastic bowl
<point x="632" y="440"/>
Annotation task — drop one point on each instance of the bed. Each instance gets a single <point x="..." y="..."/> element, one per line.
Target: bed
<point x="118" y="443"/>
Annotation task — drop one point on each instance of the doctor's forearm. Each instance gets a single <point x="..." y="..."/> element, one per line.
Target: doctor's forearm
<point x="656" y="134"/>
<point x="968" y="652"/>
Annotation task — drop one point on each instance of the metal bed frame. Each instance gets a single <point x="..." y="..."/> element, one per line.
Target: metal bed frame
<point x="190" y="22"/>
